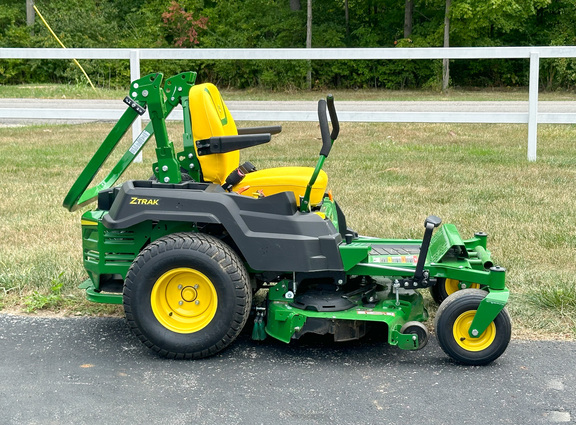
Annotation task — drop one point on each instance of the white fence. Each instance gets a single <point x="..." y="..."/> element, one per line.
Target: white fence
<point x="533" y="54"/>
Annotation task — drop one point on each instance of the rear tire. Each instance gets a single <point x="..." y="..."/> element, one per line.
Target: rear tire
<point x="187" y="295"/>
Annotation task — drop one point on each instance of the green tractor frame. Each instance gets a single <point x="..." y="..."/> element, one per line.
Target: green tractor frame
<point x="185" y="252"/>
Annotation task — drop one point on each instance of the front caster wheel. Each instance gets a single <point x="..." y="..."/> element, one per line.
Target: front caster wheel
<point x="187" y="295"/>
<point x="453" y="321"/>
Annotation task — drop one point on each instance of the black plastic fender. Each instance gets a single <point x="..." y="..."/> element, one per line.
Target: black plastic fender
<point x="270" y="232"/>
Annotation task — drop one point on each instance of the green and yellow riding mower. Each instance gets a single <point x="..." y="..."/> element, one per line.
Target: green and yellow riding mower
<point x="185" y="250"/>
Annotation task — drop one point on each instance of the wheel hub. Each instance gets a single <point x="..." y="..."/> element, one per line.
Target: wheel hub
<point x="189" y="294"/>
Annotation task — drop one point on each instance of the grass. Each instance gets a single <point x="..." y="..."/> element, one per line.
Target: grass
<point x="76" y="91"/>
<point x="59" y="91"/>
<point x="459" y="94"/>
<point x="387" y="178"/>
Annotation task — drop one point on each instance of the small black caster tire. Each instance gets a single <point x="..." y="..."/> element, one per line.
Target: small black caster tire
<point x="453" y="321"/>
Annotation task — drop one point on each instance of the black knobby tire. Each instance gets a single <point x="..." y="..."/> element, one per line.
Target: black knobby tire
<point x="451" y="329"/>
<point x="213" y="287"/>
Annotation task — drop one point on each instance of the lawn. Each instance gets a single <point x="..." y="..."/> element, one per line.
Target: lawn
<point x="77" y="91"/>
<point x="387" y="178"/>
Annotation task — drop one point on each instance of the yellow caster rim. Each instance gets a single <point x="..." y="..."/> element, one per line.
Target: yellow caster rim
<point x="453" y="285"/>
<point x="461" y="336"/>
<point x="184" y="300"/>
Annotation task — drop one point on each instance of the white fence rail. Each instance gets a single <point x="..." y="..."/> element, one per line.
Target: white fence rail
<point x="533" y="54"/>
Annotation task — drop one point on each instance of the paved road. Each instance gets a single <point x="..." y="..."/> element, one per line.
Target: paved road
<point x="117" y="106"/>
<point x="14" y="112"/>
<point x="93" y="371"/>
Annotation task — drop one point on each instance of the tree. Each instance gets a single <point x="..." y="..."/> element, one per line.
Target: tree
<point x="408" y="13"/>
<point x="309" y="43"/>
<point x="445" y="61"/>
<point x="181" y="26"/>
<point x="30" y="14"/>
<point x="281" y="23"/>
<point x="477" y="23"/>
<point x="295" y="5"/>
<point x="347" y="18"/>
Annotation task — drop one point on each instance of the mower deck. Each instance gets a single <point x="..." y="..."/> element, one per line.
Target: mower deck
<point x="368" y="305"/>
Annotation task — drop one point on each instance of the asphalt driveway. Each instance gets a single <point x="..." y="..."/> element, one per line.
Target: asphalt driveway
<point x="92" y="370"/>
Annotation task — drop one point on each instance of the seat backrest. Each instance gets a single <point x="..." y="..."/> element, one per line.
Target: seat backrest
<point x="211" y="118"/>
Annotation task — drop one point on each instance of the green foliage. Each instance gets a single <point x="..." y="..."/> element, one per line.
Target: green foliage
<point x="10" y="16"/>
<point x="560" y="72"/>
<point x="475" y="18"/>
<point x="558" y="295"/>
<point x="39" y="301"/>
<point x="271" y="24"/>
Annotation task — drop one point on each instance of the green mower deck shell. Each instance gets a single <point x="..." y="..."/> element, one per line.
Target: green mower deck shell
<point x="285" y="321"/>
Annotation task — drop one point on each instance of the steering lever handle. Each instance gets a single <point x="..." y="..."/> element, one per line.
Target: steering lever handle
<point x="333" y="117"/>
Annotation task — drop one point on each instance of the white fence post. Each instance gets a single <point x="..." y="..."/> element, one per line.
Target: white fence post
<point x="134" y="75"/>
<point x="533" y="105"/>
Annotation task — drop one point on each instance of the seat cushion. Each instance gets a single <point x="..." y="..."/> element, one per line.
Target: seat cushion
<point x="283" y="179"/>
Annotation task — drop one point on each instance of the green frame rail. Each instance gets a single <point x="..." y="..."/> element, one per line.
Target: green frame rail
<point x="146" y="92"/>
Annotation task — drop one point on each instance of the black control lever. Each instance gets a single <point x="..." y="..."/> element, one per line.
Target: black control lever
<point x="430" y="223"/>
<point x="333" y="117"/>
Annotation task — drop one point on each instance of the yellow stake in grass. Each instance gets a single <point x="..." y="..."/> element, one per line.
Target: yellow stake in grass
<point x="62" y="44"/>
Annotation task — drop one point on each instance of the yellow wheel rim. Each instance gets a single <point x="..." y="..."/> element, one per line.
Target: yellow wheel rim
<point x="184" y="300"/>
<point x="453" y="285"/>
<point x="461" y="336"/>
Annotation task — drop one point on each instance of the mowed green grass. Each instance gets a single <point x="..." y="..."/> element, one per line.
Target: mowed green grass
<point x="84" y="91"/>
<point x="386" y="177"/>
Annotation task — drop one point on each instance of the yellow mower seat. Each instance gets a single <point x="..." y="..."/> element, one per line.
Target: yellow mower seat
<point x="211" y="118"/>
<point x="284" y="179"/>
